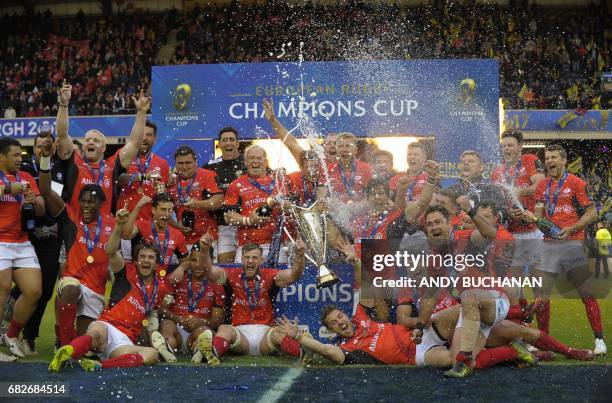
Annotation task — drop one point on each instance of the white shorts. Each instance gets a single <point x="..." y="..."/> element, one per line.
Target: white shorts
<point x="184" y="335"/>
<point x="502" y="306"/>
<point x="91" y="304"/>
<point x="429" y="340"/>
<point x="563" y="256"/>
<point x="115" y="338"/>
<point x="18" y="255"/>
<point x="228" y="241"/>
<point x="528" y="250"/>
<point x="254" y="335"/>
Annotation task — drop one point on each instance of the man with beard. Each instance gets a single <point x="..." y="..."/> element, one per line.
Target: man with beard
<point x="85" y="231"/>
<point x="91" y="168"/>
<point x="144" y="174"/>
<point x="136" y="293"/>
<point x="197" y="305"/>
<point x="349" y="176"/>
<point x="229" y="166"/>
<point x="168" y="240"/>
<point x="567" y="205"/>
<point x="472" y="181"/>
<point x="18" y="261"/>
<point x="252" y="330"/>
<point x="383" y="165"/>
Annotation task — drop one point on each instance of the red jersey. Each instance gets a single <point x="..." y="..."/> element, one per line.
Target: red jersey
<point x="79" y="173"/>
<point x="304" y="193"/>
<point x="10" y="209"/>
<point x="571" y="197"/>
<point x="127" y="308"/>
<point x="92" y="275"/>
<point x="245" y="195"/>
<point x="457" y="220"/>
<point x="497" y="258"/>
<point x="135" y="188"/>
<point x="256" y="293"/>
<point x="387" y="342"/>
<point x="201" y="187"/>
<point x="205" y="297"/>
<point x="417" y="183"/>
<point x="368" y="227"/>
<point x="411" y="296"/>
<point x="174" y="244"/>
<point x="519" y="176"/>
<point x="350" y="184"/>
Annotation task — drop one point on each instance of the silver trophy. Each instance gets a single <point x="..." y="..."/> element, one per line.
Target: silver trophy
<point x="312" y="227"/>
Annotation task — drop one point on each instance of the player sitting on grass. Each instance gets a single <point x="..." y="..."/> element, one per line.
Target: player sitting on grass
<point x="198" y="305"/>
<point x="136" y="292"/>
<point x="363" y="340"/>
<point x="252" y="331"/>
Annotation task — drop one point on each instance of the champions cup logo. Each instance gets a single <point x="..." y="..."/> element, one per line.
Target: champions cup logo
<point x="467" y="88"/>
<point x="181" y="96"/>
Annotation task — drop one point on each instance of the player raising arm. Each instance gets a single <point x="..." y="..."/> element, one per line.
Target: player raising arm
<point x="252" y="331"/>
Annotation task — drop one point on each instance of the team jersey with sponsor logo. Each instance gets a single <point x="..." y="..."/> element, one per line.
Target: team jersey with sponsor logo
<point x="245" y="197"/>
<point x="174" y="244"/>
<point x="127" y="308"/>
<point x="10" y="209"/>
<point x="571" y="202"/>
<point x="411" y="296"/>
<point x="92" y="275"/>
<point x="204" y="297"/>
<point x="79" y="173"/>
<point x="201" y="187"/>
<point x="386" y="342"/>
<point x="303" y="193"/>
<point x="417" y="183"/>
<point x="350" y="184"/>
<point x="252" y="305"/>
<point x="519" y="176"/>
<point x="135" y="188"/>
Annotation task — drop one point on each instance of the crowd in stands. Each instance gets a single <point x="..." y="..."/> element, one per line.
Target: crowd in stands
<point x="549" y="58"/>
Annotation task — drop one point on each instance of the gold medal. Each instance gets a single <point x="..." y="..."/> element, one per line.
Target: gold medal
<point x="145" y="322"/>
<point x="140" y="190"/>
<point x="90" y="259"/>
<point x="162" y="273"/>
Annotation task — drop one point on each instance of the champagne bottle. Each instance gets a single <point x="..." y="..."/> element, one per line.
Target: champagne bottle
<point x="28" y="215"/>
<point x="265" y="210"/>
<point x="188" y="219"/>
<point x="547" y="227"/>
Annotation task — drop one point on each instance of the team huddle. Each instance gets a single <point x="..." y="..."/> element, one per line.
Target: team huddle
<point x="70" y="220"/>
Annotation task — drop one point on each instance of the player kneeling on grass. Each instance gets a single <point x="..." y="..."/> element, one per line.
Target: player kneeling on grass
<point x="136" y="292"/>
<point x="198" y="306"/>
<point x="252" y="331"/>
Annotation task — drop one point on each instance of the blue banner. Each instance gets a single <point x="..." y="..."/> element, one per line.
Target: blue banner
<point x="453" y="101"/>
<point x="559" y="120"/>
<point x="110" y="126"/>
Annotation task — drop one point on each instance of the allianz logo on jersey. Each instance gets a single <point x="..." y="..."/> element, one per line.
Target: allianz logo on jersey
<point x="86" y="181"/>
<point x="136" y="304"/>
<point x="310" y="293"/>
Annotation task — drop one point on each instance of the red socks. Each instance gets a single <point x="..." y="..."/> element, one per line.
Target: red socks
<point x="523" y="302"/>
<point x="548" y="343"/>
<point x="66" y="314"/>
<point x="515" y="312"/>
<point x="493" y="356"/>
<point x="220" y="345"/>
<point x="464" y="357"/>
<point x="543" y="316"/>
<point x="124" y="361"/>
<point x="594" y="315"/>
<point x="81" y="346"/>
<point x="290" y="346"/>
<point x="14" y="329"/>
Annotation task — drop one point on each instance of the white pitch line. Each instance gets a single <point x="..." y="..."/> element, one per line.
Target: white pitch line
<point x="281" y="386"/>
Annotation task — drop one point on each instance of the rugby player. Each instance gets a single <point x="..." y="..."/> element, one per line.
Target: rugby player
<point x="229" y="166"/>
<point x="197" y="305"/>
<point x="92" y="168"/>
<point x="252" y="331"/>
<point x="18" y="261"/>
<point x="136" y="293"/>
<point x="568" y="205"/>
<point x="417" y="177"/>
<point x="348" y="175"/>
